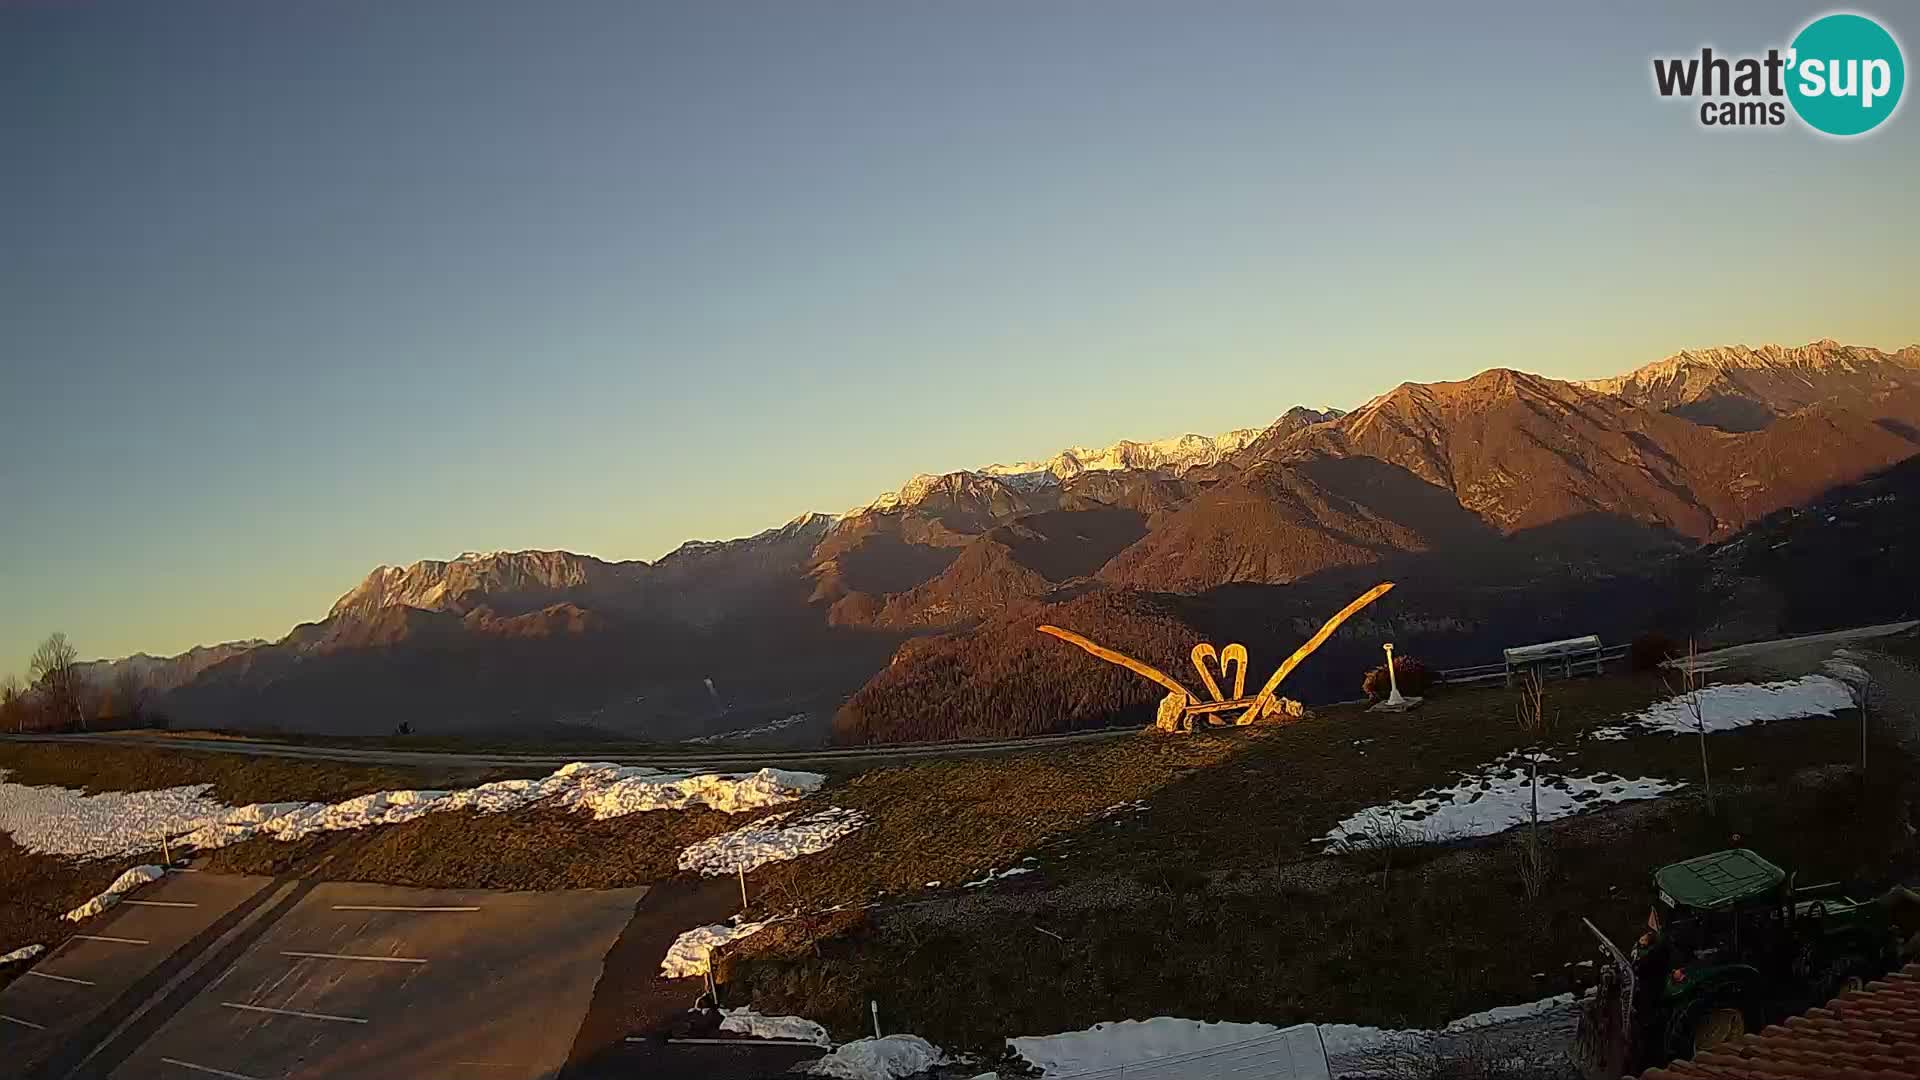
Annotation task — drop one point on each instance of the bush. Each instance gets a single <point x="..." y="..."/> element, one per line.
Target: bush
<point x="1650" y="650"/>
<point x="1414" y="677"/>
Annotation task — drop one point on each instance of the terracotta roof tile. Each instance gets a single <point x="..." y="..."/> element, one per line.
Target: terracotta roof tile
<point x="1868" y="1034"/>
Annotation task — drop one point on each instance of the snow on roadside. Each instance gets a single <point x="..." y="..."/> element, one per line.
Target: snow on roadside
<point x="24" y="952"/>
<point x="744" y="1021"/>
<point x="1496" y="797"/>
<point x="771" y="839"/>
<point x="1528" y="1031"/>
<point x="692" y="952"/>
<point x="886" y="1058"/>
<point x="753" y="732"/>
<point x="121" y="886"/>
<point x="1117" y="1043"/>
<point x="1352" y="1050"/>
<point x="61" y="821"/>
<point x="1726" y="706"/>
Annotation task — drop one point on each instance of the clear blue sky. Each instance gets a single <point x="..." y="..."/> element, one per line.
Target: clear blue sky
<point x="291" y="290"/>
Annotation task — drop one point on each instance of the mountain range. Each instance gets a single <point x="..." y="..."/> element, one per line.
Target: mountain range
<point x="1507" y="504"/>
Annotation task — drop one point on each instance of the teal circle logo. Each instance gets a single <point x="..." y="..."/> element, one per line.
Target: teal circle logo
<point x="1845" y="74"/>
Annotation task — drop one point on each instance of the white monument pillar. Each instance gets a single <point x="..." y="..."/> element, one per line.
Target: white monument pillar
<point x="1393" y="680"/>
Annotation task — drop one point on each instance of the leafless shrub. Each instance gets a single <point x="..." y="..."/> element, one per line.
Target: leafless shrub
<point x="1687" y="680"/>
<point x="1531" y="714"/>
<point x="1381" y="835"/>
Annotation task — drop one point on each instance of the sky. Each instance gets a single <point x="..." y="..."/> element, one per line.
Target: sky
<point x="290" y="291"/>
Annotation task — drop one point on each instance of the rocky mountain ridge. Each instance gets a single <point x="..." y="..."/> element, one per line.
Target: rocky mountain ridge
<point x="1505" y="472"/>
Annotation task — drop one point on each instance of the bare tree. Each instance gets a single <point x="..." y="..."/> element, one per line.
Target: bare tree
<point x="1531" y="714"/>
<point x="128" y="695"/>
<point x="13" y="704"/>
<point x="1688" y="685"/>
<point x="55" y="672"/>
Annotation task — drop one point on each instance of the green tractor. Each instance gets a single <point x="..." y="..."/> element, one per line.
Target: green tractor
<point x="1732" y="945"/>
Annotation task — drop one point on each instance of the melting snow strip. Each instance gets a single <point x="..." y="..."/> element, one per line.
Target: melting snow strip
<point x="60" y="821"/>
<point x="771" y="839"/>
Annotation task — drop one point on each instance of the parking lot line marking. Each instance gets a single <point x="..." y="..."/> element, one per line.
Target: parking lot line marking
<point x="209" y="1070"/>
<point x="396" y="907"/>
<point x="159" y="903"/>
<point x="59" y="978"/>
<point x="350" y="956"/>
<point x="22" y="1023"/>
<point x="293" y="1012"/>
<point x="113" y="940"/>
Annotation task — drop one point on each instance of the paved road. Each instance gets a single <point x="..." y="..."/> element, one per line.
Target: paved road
<point x="1795" y="654"/>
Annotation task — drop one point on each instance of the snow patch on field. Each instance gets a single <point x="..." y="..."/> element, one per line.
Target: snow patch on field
<point x="1118" y="1043"/>
<point x="744" y="1021"/>
<point x="1496" y="797"/>
<point x="1189" y="1047"/>
<point x="692" y="952"/>
<point x="122" y="885"/>
<point x="880" y="1059"/>
<point x="1736" y="705"/>
<point x="24" y="952"/>
<point x="771" y="839"/>
<point x="60" y="821"/>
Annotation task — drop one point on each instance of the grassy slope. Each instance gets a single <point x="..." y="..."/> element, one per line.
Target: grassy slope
<point x="1203" y="907"/>
<point x="1198" y="906"/>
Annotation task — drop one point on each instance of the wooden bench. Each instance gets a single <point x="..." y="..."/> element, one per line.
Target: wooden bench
<point x="1565" y="658"/>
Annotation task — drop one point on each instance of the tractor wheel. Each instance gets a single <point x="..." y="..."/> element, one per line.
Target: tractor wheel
<point x="1847" y="974"/>
<point x="1706" y="1025"/>
<point x="1718" y="1026"/>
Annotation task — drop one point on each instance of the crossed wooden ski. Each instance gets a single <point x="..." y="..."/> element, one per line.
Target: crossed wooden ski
<point x="1186" y="705"/>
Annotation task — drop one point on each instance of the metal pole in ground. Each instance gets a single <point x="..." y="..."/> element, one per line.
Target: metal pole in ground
<point x="875" y="1006"/>
<point x="742" y="868"/>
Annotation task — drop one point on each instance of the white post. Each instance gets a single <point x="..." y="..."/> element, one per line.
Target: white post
<point x="876" y="1017"/>
<point x="1393" y="681"/>
<point x="742" y="868"/>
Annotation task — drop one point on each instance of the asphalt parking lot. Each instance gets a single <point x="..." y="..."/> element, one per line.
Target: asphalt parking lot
<point x="62" y="996"/>
<point x="368" y="980"/>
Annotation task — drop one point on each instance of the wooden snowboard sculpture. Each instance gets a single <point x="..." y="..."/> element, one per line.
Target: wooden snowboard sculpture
<point x="1182" y="710"/>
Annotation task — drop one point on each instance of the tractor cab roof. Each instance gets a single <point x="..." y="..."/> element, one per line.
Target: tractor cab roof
<point x="1719" y="880"/>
